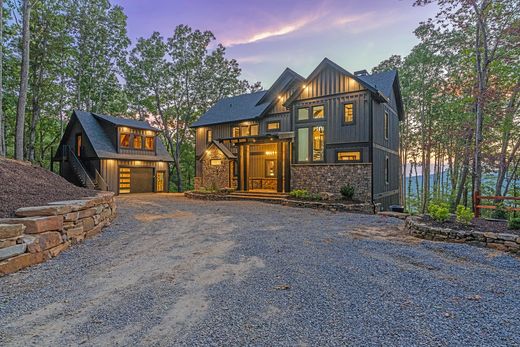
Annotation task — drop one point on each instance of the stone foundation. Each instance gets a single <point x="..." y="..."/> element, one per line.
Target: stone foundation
<point x="501" y="241"/>
<point x="42" y="232"/>
<point x="319" y="178"/>
<point x="213" y="176"/>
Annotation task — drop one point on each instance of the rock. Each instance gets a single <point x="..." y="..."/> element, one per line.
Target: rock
<point x="35" y="225"/>
<point x="326" y="196"/>
<point x="497" y="246"/>
<point x="94" y="231"/>
<point x="507" y="237"/>
<point x="10" y="230"/>
<point x="491" y="235"/>
<point x="75" y="235"/>
<point x="75" y="205"/>
<point x="58" y="249"/>
<point x="87" y="213"/>
<point x="512" y="245"/>
<point x="53" y="210"/>
<point x="21" y="261"/>
<point x="12" y="251"/>
<point x="32" y="242"/>
<point x="8" y="242"/>
<point x="49" y="239"/>
<point x="71" y="217"/>
<point x="88" y="223"/>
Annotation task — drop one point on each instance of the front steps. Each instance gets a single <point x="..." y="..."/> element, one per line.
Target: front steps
<point x="259" y="196"/>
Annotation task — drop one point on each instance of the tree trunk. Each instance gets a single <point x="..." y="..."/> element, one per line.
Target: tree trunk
<point x="465" y="171"/>
<point x="2" y="126"/>
<point x="24" y="77"/>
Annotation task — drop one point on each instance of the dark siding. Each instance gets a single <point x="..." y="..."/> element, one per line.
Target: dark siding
<point x="381" y="188"/>
<point x="329" y="82"/>
<point x="110" y="170"/>
<point x="283" y="118"/>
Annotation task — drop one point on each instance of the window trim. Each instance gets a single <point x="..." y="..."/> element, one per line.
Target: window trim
<point x="324" y="149"/>
<point x="343" y="105"/>
<point x="298" y="146"/>
<point x="312" y="112"/>
<point x="359" y="150"/>
<point x="309" y="115"/>
<point x="277" y="122"/>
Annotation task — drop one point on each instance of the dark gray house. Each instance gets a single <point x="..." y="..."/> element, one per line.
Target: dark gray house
<point x="316" y="133"/>
<point x="111" y="153"/>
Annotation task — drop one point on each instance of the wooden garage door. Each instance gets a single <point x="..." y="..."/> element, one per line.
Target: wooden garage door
<point x="141" y="180"/>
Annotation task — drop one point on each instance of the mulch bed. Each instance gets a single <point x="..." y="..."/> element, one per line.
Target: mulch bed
<point x="23" y="184"/>
<point x="477" y="224"/>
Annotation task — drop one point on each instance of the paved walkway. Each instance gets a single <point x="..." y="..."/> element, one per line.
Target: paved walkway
<point x="172" y="271"/>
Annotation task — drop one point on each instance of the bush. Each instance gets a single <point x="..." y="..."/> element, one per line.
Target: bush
<point x="347" y="191"/>
<point x="514" y="223"/>
<point x="500" y="211"/>
<point x="304" y="195"/>
<point x="464" y="214"/>
<point x="439" y="212"/>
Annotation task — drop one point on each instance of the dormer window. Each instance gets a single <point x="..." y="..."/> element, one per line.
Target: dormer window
<point x="124" y="140"/>
<point x="138" y="141"/>
<point x="149" y="143"/>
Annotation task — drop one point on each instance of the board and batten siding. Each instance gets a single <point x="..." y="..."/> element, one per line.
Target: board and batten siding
<point x="329" y="82"/>
<point x="109" y="169"/>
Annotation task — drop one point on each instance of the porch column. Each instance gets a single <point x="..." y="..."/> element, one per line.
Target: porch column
<point x="279" y="167"/>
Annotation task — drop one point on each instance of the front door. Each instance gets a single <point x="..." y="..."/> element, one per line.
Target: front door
<point x="159" y="182"/>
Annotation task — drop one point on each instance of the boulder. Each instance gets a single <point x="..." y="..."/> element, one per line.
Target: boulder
<point x="326" y="196"/>
<point x="89" y="212"/>
<point x="8" y="242"/>
<point x="75" y="235"/>
<point x="33" y="243"/>
<point x="71" y="217"/>
<point x="12" y="251"/>
<point x="52" y="210"/>
<point x="8" y="231"/>
<point x="49" y="239"/>
<point x="87" y="223"/>
<point x="35" y="225"/>
<point x="54" y="251"/>
<point x="21" y="261"/>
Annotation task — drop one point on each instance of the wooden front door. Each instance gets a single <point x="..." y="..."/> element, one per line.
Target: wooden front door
<point x="159" y="182"/>
<point x="79" y="141"/>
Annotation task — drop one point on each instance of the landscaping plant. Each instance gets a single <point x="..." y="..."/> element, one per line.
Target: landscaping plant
<point x="304" y="195"/>
<point x="514" y="223"/>
<point x="500" y="211"/>
<point x="439" y="211"/>
<point x="347" y="191"/>
<point x="464" y="214"/>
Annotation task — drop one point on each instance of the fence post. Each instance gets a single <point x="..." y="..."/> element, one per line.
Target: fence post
<point x="476" y="203"/>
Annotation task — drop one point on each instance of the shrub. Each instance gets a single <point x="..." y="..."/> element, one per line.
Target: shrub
<point x="439" y="212"/>
<point x="347" y="191"/>
<point x="464" y="214"/>
<point x="514" y="223"/>
<point x="304" y="195"/>
<point x="500" y="211"/>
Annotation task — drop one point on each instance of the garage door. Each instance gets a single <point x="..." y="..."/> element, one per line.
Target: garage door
<point x="141" y="180"/>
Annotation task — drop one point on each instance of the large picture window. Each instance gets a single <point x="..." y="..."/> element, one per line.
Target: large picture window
<point x="303" y="113"/>
<point x="303" y="144"/>
<point x="318" y="143"/>
<point x="318" y="112"/>
<point x="348" y="113"/>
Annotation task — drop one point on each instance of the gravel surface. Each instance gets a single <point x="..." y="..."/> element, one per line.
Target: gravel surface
<point x="178" y="272"/>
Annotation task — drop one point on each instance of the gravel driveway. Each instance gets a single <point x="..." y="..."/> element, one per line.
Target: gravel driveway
<point x="172" y="271"/>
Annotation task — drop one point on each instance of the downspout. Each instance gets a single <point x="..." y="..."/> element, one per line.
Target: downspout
<point x="371" y="149"/>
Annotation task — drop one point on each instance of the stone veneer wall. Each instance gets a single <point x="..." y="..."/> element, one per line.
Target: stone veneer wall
<point x="319" y="178"/>
<point x="42" y="232"/>
<point x="501" y="241"/>
<point x="213" y="176"/>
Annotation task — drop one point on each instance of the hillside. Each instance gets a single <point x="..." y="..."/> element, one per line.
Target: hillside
<point x="23" y="184"/>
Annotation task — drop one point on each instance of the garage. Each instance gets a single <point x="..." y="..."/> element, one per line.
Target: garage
<point x="136" y="180"/>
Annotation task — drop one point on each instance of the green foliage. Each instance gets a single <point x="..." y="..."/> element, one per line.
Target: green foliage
<point x="464" y="214"/>
<point x="347" y="191"/>
<point x="439" y="211"/>
<point x="303" y="194"/>
<point x="500" y="212"/>
<point x="514" y="223"/>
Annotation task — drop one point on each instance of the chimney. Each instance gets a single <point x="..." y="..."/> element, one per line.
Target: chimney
<point x="361" y="73"/>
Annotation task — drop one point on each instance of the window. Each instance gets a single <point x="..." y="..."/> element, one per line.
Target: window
<point x="78" y="144"/>
<point x="209" y="136"/>
<point x="318" y="112"/>
<point x="387" y="170"/>
<point x="386" y="125"/>
<point x="273" y="125"/>
<point x="254" y="130"/>
<point x="215" y="162"/>
<point x="124" y="180"/>
<point x="303" y="144"/>
<point x="138" y="141"/>
<point x="149" y="143"/>
<point x="124" y="140"/>
<point x="318" y="143"/>
<point x="349" y="156"/>
<point x="348" y="113"/>
<point x="233" y="168"/>
<point x="244" y="130"/>
<point x="270" y="168"/>
<point x="235" y="132"/>
<point x="303" y="113"/>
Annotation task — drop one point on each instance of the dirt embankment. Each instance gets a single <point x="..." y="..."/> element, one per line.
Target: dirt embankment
<point x="23" y="184"/>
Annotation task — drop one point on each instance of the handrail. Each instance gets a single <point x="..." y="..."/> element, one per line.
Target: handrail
<point x="80" y="170"/>
<point x="100" y="181"/>
<point x="477" y="200"/>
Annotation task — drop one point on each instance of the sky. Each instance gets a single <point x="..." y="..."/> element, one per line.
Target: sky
<point x="267" y="36"/>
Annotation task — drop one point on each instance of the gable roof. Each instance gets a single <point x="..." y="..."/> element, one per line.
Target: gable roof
<point x="222" y="148"/>
<point x="386" y="82"/>
<point x="125" y="122"/>
<point x="101" y="142"/>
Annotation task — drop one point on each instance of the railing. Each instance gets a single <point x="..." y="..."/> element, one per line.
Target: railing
<point x="100" y="181"/>
<point x="477" y="199"/>
<point x="79" y="169"/>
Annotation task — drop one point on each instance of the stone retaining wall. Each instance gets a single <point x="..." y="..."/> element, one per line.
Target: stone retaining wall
<point x="500" y="241"/>
<point x="318" y="178"/>
<point x="39" y="233"/>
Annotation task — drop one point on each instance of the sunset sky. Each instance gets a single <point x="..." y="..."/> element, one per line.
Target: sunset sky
<point x="267" y="36"/>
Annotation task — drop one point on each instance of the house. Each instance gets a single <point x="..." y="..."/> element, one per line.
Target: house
<point x="111" y="153"/>
<point x="317" y="133"/>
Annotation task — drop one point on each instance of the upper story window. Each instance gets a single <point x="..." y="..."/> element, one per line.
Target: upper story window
<point x="254" y="130"/>
<point x="348" y="113"/>
<point x="244" y="130"/>
<point x="318" y="112"/>
<point x="273" y="126"/>
<point x="136" y="138"/>
<point x="149" y="143"/>
<point x="209" y="136"/>
<point x="124" y="140"/>
<point x="387" y="126"/>
<point x="138" y="141"/>
<point x="235" y="132"/>
<point x="303" y="113"/>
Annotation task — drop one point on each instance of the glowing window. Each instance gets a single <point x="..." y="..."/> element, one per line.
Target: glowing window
<point x="244" y="130"/>
<point x="348" y="113"/>
<point x="235" y="132"/>
<point x="124" y="140"/>
<point x="254" y="130"/>
<point x="215" y="162"/>
<point x="138" y="141"/>
<point x="270" y="168"/>
<point x="273" y="125"/>
<point x="349" y="156"/>
<point x="209" y="136"/>
<point x="149" y="143"/>
<point x="318" y="112"/>
<point x="124" y="180"/>
<point x="318" y="141"/>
